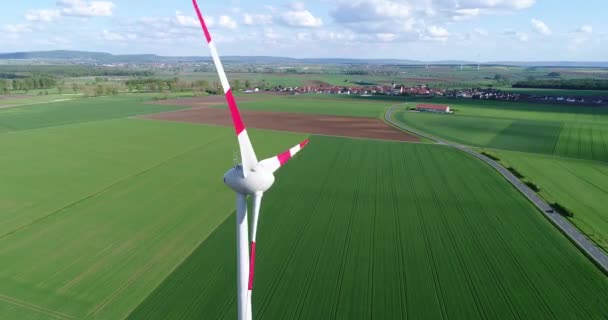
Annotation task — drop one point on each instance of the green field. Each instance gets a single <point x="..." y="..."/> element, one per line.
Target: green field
<point x="424" y="232"/>
<point x="574" y="132"/>
<point x="106" y="217"/>
<point x="318" y="104"/>
<point x="579" y="185"/>
<point x="550" y="140"/>
<point x="97" y="214"/>
<point x="75" y="111"/>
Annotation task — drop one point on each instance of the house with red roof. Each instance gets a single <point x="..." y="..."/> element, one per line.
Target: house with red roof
<point x="438" y="108"/>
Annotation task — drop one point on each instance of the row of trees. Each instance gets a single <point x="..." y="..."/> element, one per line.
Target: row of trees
<point x="177" y="85"/>
<point x="573" y="84"/>
<point x="15" y="71"/>
<point x="26" y="84"/>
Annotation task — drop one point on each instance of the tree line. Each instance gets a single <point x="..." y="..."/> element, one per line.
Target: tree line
<point x="26" y="84"/>
<point x="572" y="84"/>
<point x="14" y="71"/>
<point x="197" y="87"/>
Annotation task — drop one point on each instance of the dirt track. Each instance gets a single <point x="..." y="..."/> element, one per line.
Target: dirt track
<point x="294" y="122"/>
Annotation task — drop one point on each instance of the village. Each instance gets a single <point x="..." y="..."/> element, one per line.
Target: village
<point x="426" y="91"/>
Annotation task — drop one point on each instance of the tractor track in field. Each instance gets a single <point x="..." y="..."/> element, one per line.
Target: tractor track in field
<point x="36" y="308"/>
<point x="588" y="247"/>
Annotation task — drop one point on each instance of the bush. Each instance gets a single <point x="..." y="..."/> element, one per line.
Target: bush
<point x="532" y="186"/>
<point x="515" y="172"/>
<point x="490" y="155"/>
<point x="562" y="210"/>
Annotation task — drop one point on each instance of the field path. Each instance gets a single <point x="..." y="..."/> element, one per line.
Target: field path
<point x="589" y="248"/>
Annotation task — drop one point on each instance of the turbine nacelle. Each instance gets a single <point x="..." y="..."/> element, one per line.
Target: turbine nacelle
<point x="256" y="180"/>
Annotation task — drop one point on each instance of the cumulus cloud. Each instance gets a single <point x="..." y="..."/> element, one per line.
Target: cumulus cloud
<point x="437" y="33"/>
<point x="386" y="37"/>
<point x="227" y="22"/>
<point x="298" y="16"/>
<point x="497" y="4"/>
<point x="257" y="19"/>
<point x="369" y="10"/>
<point x="112" y="36"/>
<point x="187" y="21"/>
<point x="81" y="8"/>
<point x="521" y="36"/>
<point x="585" y="29"/>
<point x="45" y="15"/>
<point x="480" y="32"/>
<point x="17" y="28"/>
<point x="540" y="27"/>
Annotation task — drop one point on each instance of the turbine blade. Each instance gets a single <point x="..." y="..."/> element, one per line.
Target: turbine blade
<point x="274" y="163"/>
<point x="242" y="237"/>
<point x="248" y="158"/>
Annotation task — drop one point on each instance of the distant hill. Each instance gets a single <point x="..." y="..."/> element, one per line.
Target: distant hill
<point x="66" y="56"/>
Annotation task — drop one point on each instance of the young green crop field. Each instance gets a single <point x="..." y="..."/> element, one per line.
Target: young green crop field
<point x="361" y="229"/>
<point x="75" y="111"/>
<point x="550" y="140"/>
<point x="93" y="216"/>
<point x="574" y="132"/>
<point x="579" y="185"/>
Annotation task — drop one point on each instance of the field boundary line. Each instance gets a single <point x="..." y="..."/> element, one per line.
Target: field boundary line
<point x="32" y="104"/>
<point x="36" y="308"/>
<point x="586" y="246"/>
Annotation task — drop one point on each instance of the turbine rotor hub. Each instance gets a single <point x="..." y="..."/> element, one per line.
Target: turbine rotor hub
<point x="257" y="180"/>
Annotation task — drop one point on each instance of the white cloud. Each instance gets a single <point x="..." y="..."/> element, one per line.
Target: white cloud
<point x="81" y="8"/>
<point x="45" y="15"/>
<point x="187" y="21"/>
<point x="17" y="28"/>
<point x="257" y="19"/>
<point x="497" y="4"/>
<point x="386" y="37"/>
<point x="227" y="22"/>
<point x="480" y="32"/>
<point x="111" y="36"/>
<point x="437" y="33"/>
<point x="585" y="29"/>
<point x="369" y="10"/>
<point x="464" y="14"/>
<point x="540" y="27"/>
<point x="298" y="16"/>
<point x="521" y="36"/>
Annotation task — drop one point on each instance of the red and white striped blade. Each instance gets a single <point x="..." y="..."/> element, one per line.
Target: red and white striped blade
<point x="274" y="163"/>
<point x="257" y="203"/>
<point x="248" y="158"/>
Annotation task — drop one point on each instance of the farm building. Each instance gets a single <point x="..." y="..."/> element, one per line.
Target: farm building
<point x="439" y="108"/>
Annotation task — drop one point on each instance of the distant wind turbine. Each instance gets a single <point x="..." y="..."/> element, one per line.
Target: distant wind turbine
<point x="251" y="177"/>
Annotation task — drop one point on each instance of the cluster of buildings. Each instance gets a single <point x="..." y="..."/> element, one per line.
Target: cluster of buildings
<point x="568" y="100"/>
<point x="369" y="90"/>
<point x="423" y="90"/>
<point x="486" y="94"/>
<point x="495" y="94"/>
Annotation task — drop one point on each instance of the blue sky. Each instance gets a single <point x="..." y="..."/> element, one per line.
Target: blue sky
<point x="477" y="30"/>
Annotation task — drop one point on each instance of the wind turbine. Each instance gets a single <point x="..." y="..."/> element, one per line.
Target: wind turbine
<point x="251" y="177"/>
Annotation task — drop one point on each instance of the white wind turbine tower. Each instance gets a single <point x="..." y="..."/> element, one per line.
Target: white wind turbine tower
<point x="251" y="177"/>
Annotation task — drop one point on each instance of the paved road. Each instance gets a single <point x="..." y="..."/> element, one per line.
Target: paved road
<point x="599" y="257"/>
